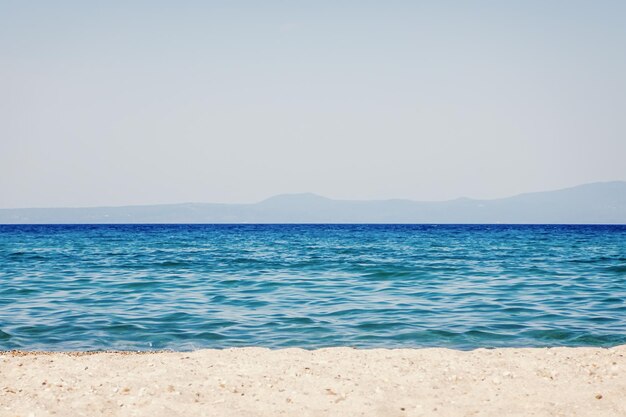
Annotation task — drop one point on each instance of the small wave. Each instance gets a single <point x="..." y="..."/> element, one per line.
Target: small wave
<point x="617" y="268"/>
<point x="599" y="259"/>
<point x="124" y="327"/>
<point x="300" y="320"/>
<point x="387" y="274"/>
<point x="519" y="310"/>
<point x="209" y="336"/>
<point x="551" y="334"/>
<point x="485" y="335"/>
<point x="171" y="264"/>
<point x="20" y="256"/>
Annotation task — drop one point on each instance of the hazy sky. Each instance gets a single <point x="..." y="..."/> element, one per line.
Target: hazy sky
<point x="131" y="102"/>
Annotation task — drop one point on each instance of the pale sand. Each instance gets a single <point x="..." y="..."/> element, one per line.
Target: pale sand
<point x="338" y="381"/>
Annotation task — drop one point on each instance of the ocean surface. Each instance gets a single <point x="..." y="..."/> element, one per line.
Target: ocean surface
<point x="182" y="287"/>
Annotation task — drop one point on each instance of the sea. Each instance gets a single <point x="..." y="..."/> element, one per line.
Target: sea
<point x="186" y="287"/>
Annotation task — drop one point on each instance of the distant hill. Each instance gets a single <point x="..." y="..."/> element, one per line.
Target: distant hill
<point x="603" y="203"/>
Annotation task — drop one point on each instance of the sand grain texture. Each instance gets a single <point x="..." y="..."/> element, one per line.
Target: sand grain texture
<point x="336" y="381"/>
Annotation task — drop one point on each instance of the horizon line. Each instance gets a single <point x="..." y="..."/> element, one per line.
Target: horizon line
<point x="319" y="196"/>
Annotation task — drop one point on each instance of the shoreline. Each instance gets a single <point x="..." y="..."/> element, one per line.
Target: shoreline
<point x="576" y="381"/>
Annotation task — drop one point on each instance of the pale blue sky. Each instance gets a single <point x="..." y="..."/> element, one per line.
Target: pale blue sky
<point x="129" y="102"/>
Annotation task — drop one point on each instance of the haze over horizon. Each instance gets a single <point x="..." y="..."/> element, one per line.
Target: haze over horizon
<point x="597" y="203"/>
<point x="152" y="103"/>
<point x="305" y="195"/>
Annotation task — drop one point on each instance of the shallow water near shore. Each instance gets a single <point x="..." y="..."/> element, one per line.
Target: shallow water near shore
<point x="183" y="287"/>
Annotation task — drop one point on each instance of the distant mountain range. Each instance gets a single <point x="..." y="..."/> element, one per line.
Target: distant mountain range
<point x="603" y="203"/>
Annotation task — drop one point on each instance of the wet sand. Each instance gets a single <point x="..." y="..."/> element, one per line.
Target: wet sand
<point x="335" y="381"/>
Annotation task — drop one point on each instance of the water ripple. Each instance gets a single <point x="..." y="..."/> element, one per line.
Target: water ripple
<point x="193" y="286"/>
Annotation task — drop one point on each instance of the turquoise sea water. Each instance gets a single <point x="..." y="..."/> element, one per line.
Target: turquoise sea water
<point x="198" y="286"/>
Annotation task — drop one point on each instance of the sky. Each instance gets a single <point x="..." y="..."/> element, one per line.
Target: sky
<point x="145" y="102"/>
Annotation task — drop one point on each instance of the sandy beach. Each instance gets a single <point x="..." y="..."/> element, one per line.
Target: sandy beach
<point x="335" y="381"/>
